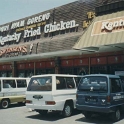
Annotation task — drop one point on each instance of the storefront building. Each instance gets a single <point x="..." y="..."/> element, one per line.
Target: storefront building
<point x="65" y="39"/>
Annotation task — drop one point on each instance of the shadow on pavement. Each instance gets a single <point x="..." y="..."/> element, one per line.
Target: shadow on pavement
<point x="51" y="116"/>
<point x="98" y="119"/>
<point x="17" y="105"/>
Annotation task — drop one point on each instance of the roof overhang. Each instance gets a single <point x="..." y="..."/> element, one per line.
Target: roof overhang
<point x="95" y="41"/>
<point x="41" y="56"/>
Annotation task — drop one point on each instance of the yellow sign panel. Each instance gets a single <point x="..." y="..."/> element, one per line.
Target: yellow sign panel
<point x="108" y="26"/>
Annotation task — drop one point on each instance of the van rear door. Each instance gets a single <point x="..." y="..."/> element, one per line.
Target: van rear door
<point x="92" y="90"/>
<point x="39" y="90"/>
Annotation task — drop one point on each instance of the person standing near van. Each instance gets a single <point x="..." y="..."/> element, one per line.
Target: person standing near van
<point x="82" y="71"/>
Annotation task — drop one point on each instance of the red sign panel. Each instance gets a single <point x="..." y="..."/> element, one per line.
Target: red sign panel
<point x="67" y="63"/>
<point x="9" y="67"/>
<point x="115" y="59"/>
<point x="93" y="61"/>
<point x="78" y="62"/>
<point x="50" y="64"/>
<point x="2" y="67"/>
<point x="40" y="65"/>
<point x="30" y="65"/>
<point x="98" y="61"/>
<point x="21" y="66"/>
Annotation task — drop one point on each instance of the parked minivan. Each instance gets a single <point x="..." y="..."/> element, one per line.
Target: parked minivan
<point x="12" y="90"/>
<point x="52" y="92"/>
<point x="100" y="93"/>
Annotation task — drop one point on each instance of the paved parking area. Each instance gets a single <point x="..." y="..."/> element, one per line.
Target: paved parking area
<point x="22" y="115"/>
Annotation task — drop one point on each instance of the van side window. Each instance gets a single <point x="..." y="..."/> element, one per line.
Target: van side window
<point x="122" y="81"/>
<point x="115" y="85"/>
<point x="60" y="83"/>
<point x="9" y="84"/>
<point x="21" y="83"/>
<point x="69" y="82"/>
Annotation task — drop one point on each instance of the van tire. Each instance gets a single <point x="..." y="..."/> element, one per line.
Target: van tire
<point x="42" y="112"/>
<point x="116" y="115"/>
<point x="67" y="111"/>
<point x="5" y="103"/>
<point x="87" y="114"/>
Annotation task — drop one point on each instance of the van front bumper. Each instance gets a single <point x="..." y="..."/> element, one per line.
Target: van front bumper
<point x="95" y="108"/>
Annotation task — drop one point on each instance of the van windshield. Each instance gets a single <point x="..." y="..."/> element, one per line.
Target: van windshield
<point x="93" y="84"/>
<point x="40" y="84"/>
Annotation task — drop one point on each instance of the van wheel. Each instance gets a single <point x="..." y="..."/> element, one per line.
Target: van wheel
<point x="87" y="114"/>
<point x="117" y="115"/>
<point x="67" y="111"/>
<point x="5" y="103"/>
<point x="43" y="112"/>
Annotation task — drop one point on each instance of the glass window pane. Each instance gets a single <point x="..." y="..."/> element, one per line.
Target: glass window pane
<point x="9" y="84"/>
<point x="69" y="82"/>
<point x="60" y="83"/>
<point x="40" y="84"/>
<point x="21" y="83"/>
<point x="115" y="85"/>
<point x="93" y="83"/>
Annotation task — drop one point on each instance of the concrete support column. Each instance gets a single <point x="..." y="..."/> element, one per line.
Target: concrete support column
<point x="14" y="69"/>
<point x="57" y="65"/>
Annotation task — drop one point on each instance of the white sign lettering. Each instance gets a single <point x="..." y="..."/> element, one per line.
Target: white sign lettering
<point x="39" y="18"/>
<point x="14" y="37"/>
<point x="61" y="26"/>
<point x="18" y="24"/>
<point x="31" y="32"/>
<point x="4" y="28"/>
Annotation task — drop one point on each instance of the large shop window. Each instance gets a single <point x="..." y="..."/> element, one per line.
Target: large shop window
<point x="99" y="69"/>
<point x="67" y="71"/>
<point x="21" y="74"/>
<point x="5" y="74"/>
<point x="45" y="71"/>
<point x="9" y="74"/>
<point x="115" y="67"/>
<point x="29" y="73"/>
<point x="50" y="71"/>
<point x="40" y="72"/>
<point x="82" y="70"/>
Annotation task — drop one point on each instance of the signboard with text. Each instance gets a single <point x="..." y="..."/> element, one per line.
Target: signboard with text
<point x="108" y="26"/>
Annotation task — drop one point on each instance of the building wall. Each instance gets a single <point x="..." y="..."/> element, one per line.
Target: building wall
<point x="73" y="14"/>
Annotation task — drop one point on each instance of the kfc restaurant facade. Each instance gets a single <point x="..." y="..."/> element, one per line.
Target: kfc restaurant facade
<point x="64" y="40"/>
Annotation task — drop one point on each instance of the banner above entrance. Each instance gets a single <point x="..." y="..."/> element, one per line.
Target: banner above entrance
<point x="105" y="30"/>
<point x="108" y="26"/>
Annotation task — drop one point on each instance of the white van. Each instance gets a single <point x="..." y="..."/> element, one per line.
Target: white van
<point x="12" y="90"/>
<point x="52" y="92"/>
